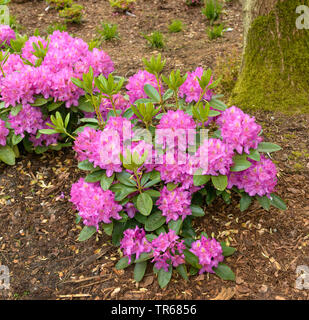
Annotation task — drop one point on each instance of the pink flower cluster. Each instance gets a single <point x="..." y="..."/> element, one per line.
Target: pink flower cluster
<point x="174" y="204"/>
<point x="260" y="179"/>
<point x="3" y="133"/>
<point x="191" y="88"/>
<point x="214" y="157"/>
<point x="66" y="57"/>
<point x="134" y="242"/>
<point x="176" y="120"/>
<point x="167" y="250"/>
<point x="209" y="252"/>
<point x="6" y="35"/>
<point x="29" y="119"/>
<point x="94" y="204"/>
<point x="103" y="148"/>
<point x="239" y="130"/>
<point x="136" y="85"/>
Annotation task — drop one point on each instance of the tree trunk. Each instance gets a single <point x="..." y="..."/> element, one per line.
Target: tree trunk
<point x="275" y="67"/>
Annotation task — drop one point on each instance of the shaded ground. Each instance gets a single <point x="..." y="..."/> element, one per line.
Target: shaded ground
<point x="38" y="231"/>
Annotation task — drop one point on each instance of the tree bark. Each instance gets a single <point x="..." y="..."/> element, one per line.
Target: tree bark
<point x="275" y="64"/>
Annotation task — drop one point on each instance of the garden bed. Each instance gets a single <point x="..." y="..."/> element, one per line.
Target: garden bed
<point x="38" y="234"/>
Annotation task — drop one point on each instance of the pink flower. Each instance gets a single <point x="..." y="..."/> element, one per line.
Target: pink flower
<point x="29" y="119"/>
<point x="136" y="85"/>
<point x="174" y="204"/>
<point x="3" y="133"/>
<point x="191" y="88"/>
<point x="239" y="130"/>
<point x="6" y="35"/>
<point x="209" y="253"/>
<point x="94" y="204"/>
<point x="168" y="250"/>
<point x="214" y="157"/>
<point x="134" y="242"/>
<point x="260" y="179"/>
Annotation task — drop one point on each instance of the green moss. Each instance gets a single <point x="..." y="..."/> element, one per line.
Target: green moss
<point x="276" y="68"/>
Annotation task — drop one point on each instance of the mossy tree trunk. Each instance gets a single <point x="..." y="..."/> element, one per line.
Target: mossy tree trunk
<point x="275" y="68"/>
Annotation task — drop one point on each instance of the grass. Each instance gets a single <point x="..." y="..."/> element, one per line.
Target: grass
<point x="155" y="40"/>
<point x="73" y="14"/>
<point x="108" y="31"/>
<point x="56" y="26"/>
<point x="175" y="26"/>
<point x="215" y="32"/>
<point x="212" y="10"/>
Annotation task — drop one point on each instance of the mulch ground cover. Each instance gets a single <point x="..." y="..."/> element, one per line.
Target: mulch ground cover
<point x="38" y="233"/>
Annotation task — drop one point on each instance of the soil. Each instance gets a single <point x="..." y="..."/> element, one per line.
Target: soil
<point x="38" y="233"/>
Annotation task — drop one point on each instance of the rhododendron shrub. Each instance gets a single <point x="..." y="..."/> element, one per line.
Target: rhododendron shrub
<point x="157" y="155"/>
<point x="36" y="85"/>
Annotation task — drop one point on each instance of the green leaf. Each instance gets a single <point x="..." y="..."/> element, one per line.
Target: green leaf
<point x="171" y="186"/>
<point x="15" y="110"/>
<point x="106" y="181"/>
<point x="85" y="165"/>
<point x="182" y="270"/>
<point x="48" y="131"/>
<point x="122" y="263"/>
<point x="268" y="147"/>
<point x="40" y="149"/>
<point x="227" y="251"/>
<point x="154" y="221"/>
<point x="175" y="225"/>
<point x="144" y="257"/>
<point x="200" y="180"/>
<point x="192" y="259"/>
<point x="139" y="271"/>
<point x="217" y="104"/>
<point x="164" y="277"/>
<point x="7" y="155"/>
<point x="55" y="105"/>
<point x="16" y="139"/>
<point x="193" y="271"/>
<point x="153" y="193"/>
<point x="168" y="94"/>
<point x="224" y="272"/>
<point x="151" y="92"/>
<point x="220" y="182"/>
<point x="117" y="232"/>
<point x="150" y="237"/>
<point x="121" y="191"/>
<point x="39" y="102"/>
<point x="213" y="113"/>
<point x="108" y="228"/>
<point x="85" y="106"/>
<point x="125" y="178"/>
<point x="245" y="202"/>
<point x="78" y="218"/>
<point x="254" y="155"/>
<point x="144" y="204"/>
<point x="94" y="176"/>
<point x="240" y="165"/>
<point x="197" y="211"/>
<point x="264" y="202"/>
<point x="277" y="202"/>
<point x="87" y="233"/>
